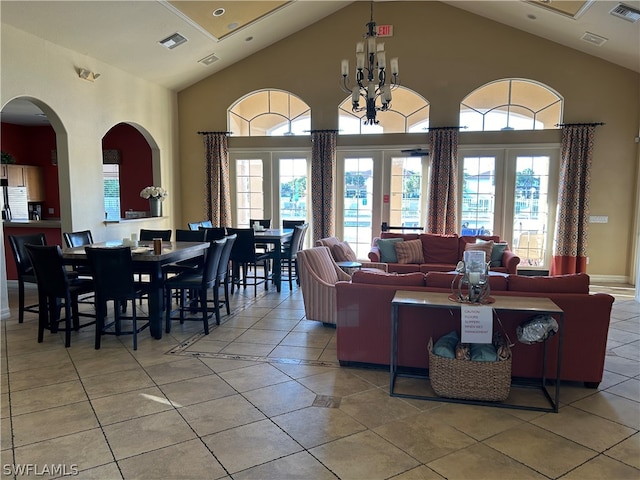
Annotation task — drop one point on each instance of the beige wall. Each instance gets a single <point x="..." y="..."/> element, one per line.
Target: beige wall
<point x="444" y="54"/>
<point x="81" y="113"/>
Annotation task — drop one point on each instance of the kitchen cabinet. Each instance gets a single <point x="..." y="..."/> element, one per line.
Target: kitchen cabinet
<point x="29" y="176"/>
<point x="34" y="181"/>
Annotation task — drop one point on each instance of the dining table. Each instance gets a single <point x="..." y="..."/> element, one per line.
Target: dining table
<point x="146" y="262"/>
<point x="276" y="237"/>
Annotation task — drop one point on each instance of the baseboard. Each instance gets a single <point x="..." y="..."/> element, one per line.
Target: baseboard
<point x="621" y="279"/>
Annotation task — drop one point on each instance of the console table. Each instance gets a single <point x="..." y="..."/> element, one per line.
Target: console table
<point x="429" y="300"/>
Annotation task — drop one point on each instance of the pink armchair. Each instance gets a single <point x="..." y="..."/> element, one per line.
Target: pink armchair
<point x="318" y="276"/>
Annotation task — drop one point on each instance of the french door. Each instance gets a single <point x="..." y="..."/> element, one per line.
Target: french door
<point x="511" y="193"/>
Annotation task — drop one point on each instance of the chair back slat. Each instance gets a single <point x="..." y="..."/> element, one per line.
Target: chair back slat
<point x="20" y="255"/>
<point x="49" y="270"/>
<point x="78" y="239"/>
<point x="112" y="271"/>
<point x="148" y="235"/>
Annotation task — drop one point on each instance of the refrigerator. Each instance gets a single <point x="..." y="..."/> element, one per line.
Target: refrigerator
<point x="14" y="203"/>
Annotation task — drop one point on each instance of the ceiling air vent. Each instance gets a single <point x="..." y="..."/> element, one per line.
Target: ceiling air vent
<point x="593" y="38"/>
<point x="628" y="13"/>
<point x="172" y="41"/>
<point x="208" y="60"/>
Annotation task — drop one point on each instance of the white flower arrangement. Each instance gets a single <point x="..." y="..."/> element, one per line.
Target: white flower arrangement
<point x="154" y="192"/>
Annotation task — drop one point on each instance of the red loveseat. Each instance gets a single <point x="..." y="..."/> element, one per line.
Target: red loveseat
<point x="364" y="323"/>
<point x="441" y="253"/>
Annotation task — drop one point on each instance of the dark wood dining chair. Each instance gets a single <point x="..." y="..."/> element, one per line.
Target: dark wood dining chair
<point x="24" y="268"/>
<point x="223" y="276"/>
<point x="112" y="271"/>
<point x="246" y="258"/>
<point x="290" y="224"/>
<point x="147" y="235"/>
<point x="79" y="239"/>
<point x="198" y="281"/>
<point x="290" y="251"/>
<point x="57" y="290"/>
<point x="215" y="233"/>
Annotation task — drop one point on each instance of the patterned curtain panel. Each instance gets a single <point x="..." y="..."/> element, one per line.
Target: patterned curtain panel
<point x="443" y="187"/>
<point x="323" y="162"/>
<point x="218" y="193"/>
<point x="572" y="221"/>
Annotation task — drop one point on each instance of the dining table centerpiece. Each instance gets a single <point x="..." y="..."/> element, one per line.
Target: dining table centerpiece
<point x="156" y="196"/>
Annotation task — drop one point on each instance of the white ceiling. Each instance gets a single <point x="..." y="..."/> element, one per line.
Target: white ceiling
<point x="110" y="32"/>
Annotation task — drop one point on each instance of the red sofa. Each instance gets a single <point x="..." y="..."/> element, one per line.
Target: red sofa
<point x="441" y="253"/>
<point x="364" y="314"/>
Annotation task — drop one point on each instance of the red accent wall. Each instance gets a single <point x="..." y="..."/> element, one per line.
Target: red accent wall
<point x="136" y="169"/>
<point x="33" y="146"/>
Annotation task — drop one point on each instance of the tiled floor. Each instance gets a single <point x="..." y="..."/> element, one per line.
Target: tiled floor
<point x="262" y="397"/>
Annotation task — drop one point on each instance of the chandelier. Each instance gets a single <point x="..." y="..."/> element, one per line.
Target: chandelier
<point x="371" y="76"/>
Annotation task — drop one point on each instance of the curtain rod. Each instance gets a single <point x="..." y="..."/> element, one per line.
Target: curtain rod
<point x="322" y="131"/>
<point x="595" y="124"/>
<point x="446" y="128"/>
<point x="206" y="133"/>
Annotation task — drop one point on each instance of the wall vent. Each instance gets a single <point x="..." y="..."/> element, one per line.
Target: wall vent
<point x="172" y="41"/>
<point x="208" y="60"/>
<point x="593" y="38"/>
<point x="628" y="13"/>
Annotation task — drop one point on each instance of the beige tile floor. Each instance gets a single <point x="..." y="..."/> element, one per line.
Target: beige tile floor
<point x="262" y="397"/>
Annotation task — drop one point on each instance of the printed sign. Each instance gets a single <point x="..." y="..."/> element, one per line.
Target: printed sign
<point x="477" y="324"/>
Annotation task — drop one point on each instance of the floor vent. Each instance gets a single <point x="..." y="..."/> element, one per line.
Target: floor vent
<point x="626" y="12"/>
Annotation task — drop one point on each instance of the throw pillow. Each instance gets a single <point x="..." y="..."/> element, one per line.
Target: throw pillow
<point x="497" y="252"/>
<point x="387" y="249"/>
<point x="409" y="252"/>
<point x="342" y="252"/>
<point x="483" y="246"/>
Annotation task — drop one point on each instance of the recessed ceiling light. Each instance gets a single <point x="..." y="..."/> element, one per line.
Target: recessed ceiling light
<point x="218" y="12"/>
<point x="233" y="25"/>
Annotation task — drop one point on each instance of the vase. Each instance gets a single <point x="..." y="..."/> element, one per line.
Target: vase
<point x="155" y="207"/>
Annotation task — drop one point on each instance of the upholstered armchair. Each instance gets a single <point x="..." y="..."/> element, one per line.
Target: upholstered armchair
<point x="318" y="276"/>
<point x="342" y="252"/>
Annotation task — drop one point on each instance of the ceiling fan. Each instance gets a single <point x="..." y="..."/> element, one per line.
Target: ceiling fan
<point x="416" y="152"/>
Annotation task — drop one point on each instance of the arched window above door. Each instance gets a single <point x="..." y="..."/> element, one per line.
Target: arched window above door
<point x="409" y="113"/>
<point x="269" y="112"/>
<point x="511" y="104"/>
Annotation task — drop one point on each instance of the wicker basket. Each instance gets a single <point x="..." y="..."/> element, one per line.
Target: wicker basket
<point x="469" y="380"/>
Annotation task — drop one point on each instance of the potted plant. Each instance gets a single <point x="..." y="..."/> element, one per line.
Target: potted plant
<point x="7" y="158"/>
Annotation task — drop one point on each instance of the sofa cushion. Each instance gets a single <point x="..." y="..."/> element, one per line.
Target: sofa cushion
<point x="439" y="248"/>
<point x="482" y="246"/>
<point x="387" y="249"/>
<point x="572" y="283"/>
<point x="497" y="281"/>
<point x="497" y="253"/>
<point x="409" y="252"/>
<point x="404" y="236"/>
<point x="379" y="277"/>
<point x="342" y="252"/>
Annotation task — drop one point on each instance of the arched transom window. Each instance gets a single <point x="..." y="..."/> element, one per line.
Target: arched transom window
<point x="511" y="104"/>
<point x="269" y="112"/>
<point x="409" y="112"/>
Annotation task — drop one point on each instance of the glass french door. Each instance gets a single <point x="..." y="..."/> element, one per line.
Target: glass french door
<point x="531" y="210"/>
<point x="511" y="193"/>
<point x="357" y="190"/>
